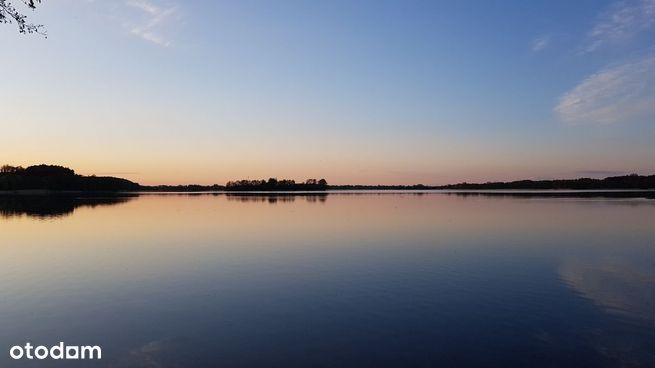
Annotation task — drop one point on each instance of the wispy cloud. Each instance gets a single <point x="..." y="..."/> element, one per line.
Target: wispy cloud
<point x="153" y="21"/>
<point x="540" y="43"/>
<point x="144" y="5"/>
<point x="623" y="21"/>
<point x="615" y="94"/>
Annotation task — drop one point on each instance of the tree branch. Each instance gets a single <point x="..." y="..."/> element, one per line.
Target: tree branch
<point x="9" y="14"/>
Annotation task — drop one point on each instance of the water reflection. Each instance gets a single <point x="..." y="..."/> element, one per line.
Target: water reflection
<point x="623" y="284"/>
<point x="53" y="206"/>
<point x="273" y="198"/>
<point x="598" y="194"/>
<point x="347" y="281"/>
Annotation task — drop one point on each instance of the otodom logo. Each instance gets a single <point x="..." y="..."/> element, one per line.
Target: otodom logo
<point x="60" y="351"/>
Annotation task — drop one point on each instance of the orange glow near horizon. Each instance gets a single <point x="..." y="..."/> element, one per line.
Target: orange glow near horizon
<point x="150" y="168"/>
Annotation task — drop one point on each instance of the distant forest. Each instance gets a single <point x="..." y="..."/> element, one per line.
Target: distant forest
<point x="272" y="184"/>
<point x="49" y="177"/>
<point x="59" y="178"/>
<point x="632" y="181"/>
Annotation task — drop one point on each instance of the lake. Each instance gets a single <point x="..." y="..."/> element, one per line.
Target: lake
<point x="336" y="280"/>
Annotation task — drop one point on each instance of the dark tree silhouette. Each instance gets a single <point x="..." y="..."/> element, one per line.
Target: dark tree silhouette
<point x="274" y="184"/>
<point x="632" y="181"/>
<point x="9" y="14"/>
<point x="58" y="178"/>
<point x="8" y="169"/>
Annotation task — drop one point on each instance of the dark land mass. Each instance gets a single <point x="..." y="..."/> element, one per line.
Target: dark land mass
<point x="633" y="181"/>
<point x="58" y="178"/>
<point x="47" y="178"/>
<point x="270" y="185"/>
<point x="626" y="182"/>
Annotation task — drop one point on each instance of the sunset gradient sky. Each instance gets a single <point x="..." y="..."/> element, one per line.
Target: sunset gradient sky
<point x="365" y="92"/>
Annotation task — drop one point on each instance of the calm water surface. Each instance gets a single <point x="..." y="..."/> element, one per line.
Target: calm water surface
<point x="343" y="280"/>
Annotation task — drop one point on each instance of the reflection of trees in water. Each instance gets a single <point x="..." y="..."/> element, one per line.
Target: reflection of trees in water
<point x="52" y="206"/>
<point x="558" y="194"/>
<point x="277" y="197"/>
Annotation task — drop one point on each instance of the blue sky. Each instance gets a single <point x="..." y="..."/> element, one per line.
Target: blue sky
<point x="354" y="91"/>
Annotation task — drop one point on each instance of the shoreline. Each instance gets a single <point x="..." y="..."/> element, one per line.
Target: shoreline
<point x="609" y="193"/>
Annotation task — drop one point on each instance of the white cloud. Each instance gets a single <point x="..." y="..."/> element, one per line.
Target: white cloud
<point x="616" y="94"/>
<point x="540" y="43"/>
<point x="150" y="37"/>
<point x="144" y="5"/>
<point x="621" y="22"/>
<point x="154" y="18"/>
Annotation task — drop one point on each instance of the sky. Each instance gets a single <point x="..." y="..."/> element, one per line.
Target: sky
<point x="357" y="92"/>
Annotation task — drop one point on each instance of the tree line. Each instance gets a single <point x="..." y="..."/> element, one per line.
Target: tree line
<point x="273" y="184"/>
<point x="632" y="181"/>
<point x="59" y="178"/>
<point x="53" y="177"/>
